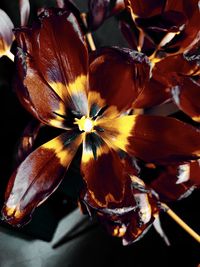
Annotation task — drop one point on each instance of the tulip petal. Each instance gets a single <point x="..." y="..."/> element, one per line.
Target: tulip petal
<point x="38" y="176"/>
<point x="154" y="139"/>
<point x="186" y="96"/>
<point x="118" y="75"/>
<point x="173" y="183"/>
<point x="145" y="8"/>
<point x="6" y="34"/>
<point x="103" y="171"/>
<point x="49" y="108"/>
<point x="62" y="68"/>
<point x="24" y="7"/>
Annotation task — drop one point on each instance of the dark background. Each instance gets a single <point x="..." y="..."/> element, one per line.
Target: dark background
<point x="151" y="250"/>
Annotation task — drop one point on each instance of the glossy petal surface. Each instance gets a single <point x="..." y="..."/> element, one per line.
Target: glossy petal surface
<point x="102" y="171"/>
<point x="60" y="70"/>
<point x="153" y="139"/>
<point x="6" y="34"/>
<point x="119" y="75"/>
<point x="38" y="176"/>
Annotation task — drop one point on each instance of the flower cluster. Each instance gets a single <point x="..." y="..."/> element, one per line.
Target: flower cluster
<point x="130" y="162"/>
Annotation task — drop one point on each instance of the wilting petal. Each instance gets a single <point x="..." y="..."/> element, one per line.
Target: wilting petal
<point x="186" y="95"/>
<point x="6" y="34"/>
<point x="174" y="183"/>
<point x="102" y="171"/>
<point x="154" y="139"/>
<point x="24" y="7"/>
<point x="38" y="177"/>
<point x="27" y="140"/>
<point x="63" y="66"/>
<point x="119" y="76"/>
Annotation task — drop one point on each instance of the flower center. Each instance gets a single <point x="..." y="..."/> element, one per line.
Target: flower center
<point x="85" y="124"/>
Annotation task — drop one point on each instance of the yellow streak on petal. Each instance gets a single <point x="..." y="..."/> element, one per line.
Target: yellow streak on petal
<point x="88" y="153"/>
<point x="76" y="87"/>
<point x="117" y="131"/>
<point x="74" y="93"/>
<point x="58" y="121"/>
<point x="13" y="211"/>
<point x="64" y="155"/>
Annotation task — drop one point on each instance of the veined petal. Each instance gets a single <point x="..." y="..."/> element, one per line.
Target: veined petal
<point x="116" y="130"/>
<point x="102" y="171"/>
<point x="118" y="75"/>
<point x="186" y="95"/>
<point x="24" y="7"/>
<point x="63" y="66"/>
<point x="38" y="177"/>
<point x="6" y="34"/>
<point x="35" y="94"/>
<point x="154" y="139"/>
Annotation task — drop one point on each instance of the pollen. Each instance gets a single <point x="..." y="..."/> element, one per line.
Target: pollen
<point x="85" y="124"/>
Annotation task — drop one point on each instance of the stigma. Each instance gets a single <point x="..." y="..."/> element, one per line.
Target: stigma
<point x="85" y="124"/>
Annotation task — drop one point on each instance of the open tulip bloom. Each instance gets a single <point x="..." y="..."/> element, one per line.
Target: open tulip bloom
<point x="90" y="99"/>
